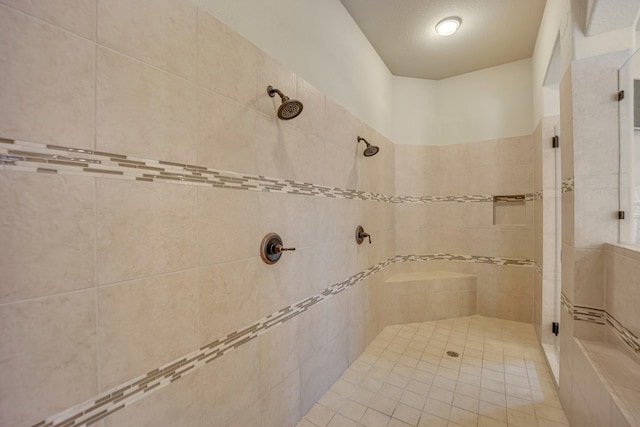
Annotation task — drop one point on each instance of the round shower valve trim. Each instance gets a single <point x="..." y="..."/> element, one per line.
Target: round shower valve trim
<point x="271" y="248"/>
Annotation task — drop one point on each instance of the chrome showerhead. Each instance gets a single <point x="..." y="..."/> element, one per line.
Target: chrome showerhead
<point x="371" y="150"/>
<point x="290" y="108"/>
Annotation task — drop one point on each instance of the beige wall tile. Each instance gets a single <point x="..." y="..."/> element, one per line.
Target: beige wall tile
<point x="162" y="34"/>
<point x="248" y="417"/>
<point x="143" y="111"/>
<point x="281" y="407"/>
<point x="516" y="151"/>
<point x="230" y="385"/>
<point x="484" y="153"/>
<point x="226" y="133"/>
<point x="227" y="225"/>
<point x="144" y="229"/>
<point x="596" y="218"/>
<point x="312" y="119"/>
<point x="77" y="16"/>
<point x="568" y="218"/>
<point x="48" y="345"/>
<point x="338" y="352"/>
<point x="228" y="298"/>
<point x="48" y="234"/>
<point x="227" y="63"/>
<point x="313" y="379"/>
<point x="177" y="404"/>
<point x="312" y="332"/>
<point x="56" y="106"/>
<point x="621" y="290"/>
<point x="566" y="150"/>
<point x="589" y="278"/>
<point x="146" y="323"/>
<point x="278" y="355"/>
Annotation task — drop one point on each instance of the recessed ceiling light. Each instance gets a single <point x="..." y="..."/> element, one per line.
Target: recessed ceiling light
<point x="448" y="26"/>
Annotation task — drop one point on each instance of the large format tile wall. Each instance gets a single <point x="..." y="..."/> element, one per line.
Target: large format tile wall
<point x="589" y="121"/>
<point x="466" y="226"/>
<point x="141" y="165"/>
<point x="107" y="277"/>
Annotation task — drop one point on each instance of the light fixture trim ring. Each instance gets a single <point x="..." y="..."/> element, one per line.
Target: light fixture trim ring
<point x="448" y="26"/>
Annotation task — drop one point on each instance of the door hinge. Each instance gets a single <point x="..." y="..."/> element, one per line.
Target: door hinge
<point x="620" y="95"/>
<point x="620" y="214"/>
<point x="555" y="141"/>
<point x="555" y="328"/>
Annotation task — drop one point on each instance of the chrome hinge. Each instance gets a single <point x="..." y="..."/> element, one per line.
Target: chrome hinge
<point x="620" y="95"/>
<point x="620" y="214"/>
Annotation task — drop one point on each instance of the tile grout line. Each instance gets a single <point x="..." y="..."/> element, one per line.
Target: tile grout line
<point x="125" y="394"/>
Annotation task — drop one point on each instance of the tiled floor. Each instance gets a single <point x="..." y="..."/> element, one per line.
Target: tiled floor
<point x="405" y="378"/>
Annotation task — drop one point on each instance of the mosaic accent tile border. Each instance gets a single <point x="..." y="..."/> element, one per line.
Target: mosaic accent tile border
<point x="121" y="396"/>
<point x="478" y="259"/>
<point x="55" y="159"/>
<point x="35" y="157"/>
<point x="568" y="185"/>
<point x="442" y="199"/>
<point x="601" y="317"/>
<point x="538" y="268"/>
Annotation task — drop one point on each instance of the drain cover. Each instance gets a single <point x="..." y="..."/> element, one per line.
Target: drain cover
<point x="452" y="354"/>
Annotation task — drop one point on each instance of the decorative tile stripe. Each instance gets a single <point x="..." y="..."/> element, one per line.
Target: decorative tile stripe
<point x="35" y="157"/>
<point x="442" y="199"/>
<point x="54" y="159"/>
<point x="478" y="259"/>
<point x="589" y="314"/>
<point x="602" y="317"/>
<point x="538" y="268"/>
<point x="568" y="185"/>
<point x="566" y="304"/>
<point x="624" y="334"/>
<point x="127" y="393"/>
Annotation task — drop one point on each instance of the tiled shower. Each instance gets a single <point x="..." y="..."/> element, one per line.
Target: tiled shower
<point x="140" y="168"/>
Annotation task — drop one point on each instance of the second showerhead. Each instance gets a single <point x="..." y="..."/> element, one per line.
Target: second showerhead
<point x="370" y="150"/>
<point x="290" y="108"/>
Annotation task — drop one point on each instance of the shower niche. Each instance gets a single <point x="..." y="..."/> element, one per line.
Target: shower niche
<point x="509" y="210"/>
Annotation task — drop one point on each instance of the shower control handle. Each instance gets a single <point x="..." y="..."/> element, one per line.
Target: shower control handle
<point x="276" y="248"/>
<point x="271" y="248"/>
<point x="361" y="235"/>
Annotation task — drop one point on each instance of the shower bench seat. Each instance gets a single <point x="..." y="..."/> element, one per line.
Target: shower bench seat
<point x="429" y="295"/>
<point x="607" y="380"/>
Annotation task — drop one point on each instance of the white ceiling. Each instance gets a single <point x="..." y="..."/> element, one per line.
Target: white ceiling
<point x="493" y="32"/>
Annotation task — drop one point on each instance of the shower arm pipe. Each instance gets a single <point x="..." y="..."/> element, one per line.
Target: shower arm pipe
<point x="272" y="91"/>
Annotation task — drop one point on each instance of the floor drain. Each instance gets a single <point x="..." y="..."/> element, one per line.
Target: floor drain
<point x="452" y="354"/>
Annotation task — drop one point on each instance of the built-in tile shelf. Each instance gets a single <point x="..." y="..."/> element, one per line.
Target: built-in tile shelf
<point x="609" y="379"/>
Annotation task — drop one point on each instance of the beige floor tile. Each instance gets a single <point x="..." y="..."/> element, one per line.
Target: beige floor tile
<point x="407" y="414"/>
<point x="340" y="421"/>
<point x="372" y="418"/>
<point x="352" y="410"/>
<point x="491" y="392"/>
<point x="319" y="415"/>
<point x="429" y="420"/>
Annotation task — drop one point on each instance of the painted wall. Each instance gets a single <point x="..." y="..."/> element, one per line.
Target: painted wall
<point x="552" y="28"/>
<point x="321" y="42"/>
<point x="486" y="104"/>
<point x="415" y="111"/>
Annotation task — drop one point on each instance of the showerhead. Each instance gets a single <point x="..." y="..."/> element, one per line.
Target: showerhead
<point x="290" y="108"/>
<point x="371" y="150"/>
